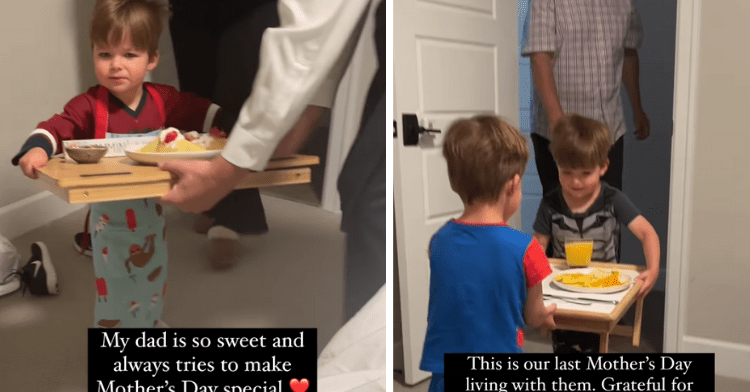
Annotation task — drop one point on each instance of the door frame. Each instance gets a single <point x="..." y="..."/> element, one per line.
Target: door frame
<point x="681" y="186"/>
<point x="687" y="47"/>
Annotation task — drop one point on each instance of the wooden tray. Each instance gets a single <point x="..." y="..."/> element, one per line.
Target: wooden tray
<point x="604" y="323"/>
<point x="120" y="178"/>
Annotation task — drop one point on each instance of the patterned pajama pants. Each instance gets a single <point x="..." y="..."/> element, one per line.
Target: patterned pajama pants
<point x="130" y="263"/>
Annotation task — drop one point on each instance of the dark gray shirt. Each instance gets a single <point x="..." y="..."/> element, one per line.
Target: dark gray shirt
<point x="601" y="222"/>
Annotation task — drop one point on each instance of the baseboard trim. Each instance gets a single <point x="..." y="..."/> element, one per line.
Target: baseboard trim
<point x="732" y="359"/>
<point x="19" y="218"/>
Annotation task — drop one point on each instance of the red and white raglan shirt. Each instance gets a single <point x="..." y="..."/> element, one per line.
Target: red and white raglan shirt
<point x="161" y="106"/>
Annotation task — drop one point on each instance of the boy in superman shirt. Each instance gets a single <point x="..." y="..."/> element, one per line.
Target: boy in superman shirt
<point x="485" y="277"/>
<point x="129" y="247"/>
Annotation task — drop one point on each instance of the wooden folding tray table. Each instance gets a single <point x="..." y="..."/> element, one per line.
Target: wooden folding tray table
<point x="120" y="178"/>
<point x="604" y="323"/>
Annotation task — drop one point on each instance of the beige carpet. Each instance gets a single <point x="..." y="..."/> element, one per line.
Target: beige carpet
<point x="290" y="277"/>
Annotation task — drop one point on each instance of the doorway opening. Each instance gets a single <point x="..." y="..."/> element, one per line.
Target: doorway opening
<point x="646" y="173"/>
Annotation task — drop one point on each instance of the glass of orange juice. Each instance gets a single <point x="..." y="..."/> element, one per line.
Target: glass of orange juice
<point x="578" y="251"/>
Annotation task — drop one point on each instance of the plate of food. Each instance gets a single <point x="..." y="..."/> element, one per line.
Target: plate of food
<point x="592" y="280"/>
<point x="172" y="145"/>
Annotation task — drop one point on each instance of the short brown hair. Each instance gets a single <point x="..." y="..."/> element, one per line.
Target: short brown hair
<point x="141" y="18"/>
<point x="483" y="154"/>
<point x="580" y="142"/>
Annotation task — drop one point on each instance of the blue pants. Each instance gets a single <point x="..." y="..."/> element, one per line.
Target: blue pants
<point x="130" y="263"/>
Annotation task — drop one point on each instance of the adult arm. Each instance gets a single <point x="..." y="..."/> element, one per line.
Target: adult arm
<point x="630" y="73"/>
<point x="544" y="81"/>
<point x="540" y="44"/>
<point x="631" y="80"/>
<point x="300" y="132"/>
<point x="297" y="61"/>
<point x="298" y="65"/>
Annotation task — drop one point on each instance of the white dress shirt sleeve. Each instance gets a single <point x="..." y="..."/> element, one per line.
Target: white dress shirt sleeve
<point x="297" y="67"/>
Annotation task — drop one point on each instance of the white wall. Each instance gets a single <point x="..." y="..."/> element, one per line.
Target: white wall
<point x="40" y="70"/>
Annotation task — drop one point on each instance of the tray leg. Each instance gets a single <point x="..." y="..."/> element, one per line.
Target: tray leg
<point x="604" y="342"/>
<point x="637" y="326"/>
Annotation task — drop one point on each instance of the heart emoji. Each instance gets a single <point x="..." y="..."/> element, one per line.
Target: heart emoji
<point x="299" y="385"/>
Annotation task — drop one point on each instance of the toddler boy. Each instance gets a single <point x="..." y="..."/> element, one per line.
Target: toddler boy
<point x="129" y="248"/>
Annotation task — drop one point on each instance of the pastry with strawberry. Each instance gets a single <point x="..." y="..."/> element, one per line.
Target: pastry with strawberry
<point x="172" y="140"/>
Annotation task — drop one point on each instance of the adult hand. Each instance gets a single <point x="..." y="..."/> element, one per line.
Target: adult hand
<point x="648" y="278"/>
<point x="198" y="185"/>
<point x="34" y="159"/>
<point x="642" y="127"/>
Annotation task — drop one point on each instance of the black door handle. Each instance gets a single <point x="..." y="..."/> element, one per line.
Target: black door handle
<point x="412" y="129"/>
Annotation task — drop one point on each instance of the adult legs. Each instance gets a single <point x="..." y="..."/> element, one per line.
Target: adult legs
<point x="361" y="185"/>
<point x="193" y="30"/>
<point x="545" y="164"/>
<point x="237" y="61"/>
<point x="546" y="169"/>
<point x="362" y="189"/>
<point x="217" y="48"/>
<point x="613" y="176"/>
<point x="365" y="244"/>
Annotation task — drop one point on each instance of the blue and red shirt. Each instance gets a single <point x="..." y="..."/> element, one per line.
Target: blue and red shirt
<point x="478" y="280"/>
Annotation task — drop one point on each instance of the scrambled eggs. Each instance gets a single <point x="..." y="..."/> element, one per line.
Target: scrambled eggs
<point x="596" y="279"/>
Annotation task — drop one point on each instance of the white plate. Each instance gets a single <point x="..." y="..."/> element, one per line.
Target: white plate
<point x="626" y="281"/>
<point x="152" y="158"/>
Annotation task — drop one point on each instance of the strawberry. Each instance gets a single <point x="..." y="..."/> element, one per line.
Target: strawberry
<point x="170" y="137"/>
<point x="216" y="132"/>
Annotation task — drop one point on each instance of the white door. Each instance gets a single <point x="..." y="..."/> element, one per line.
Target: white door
<point x="452" y="58"/>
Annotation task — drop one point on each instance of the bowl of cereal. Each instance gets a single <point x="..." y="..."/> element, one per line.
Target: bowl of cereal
<point x="87" y="154"/>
